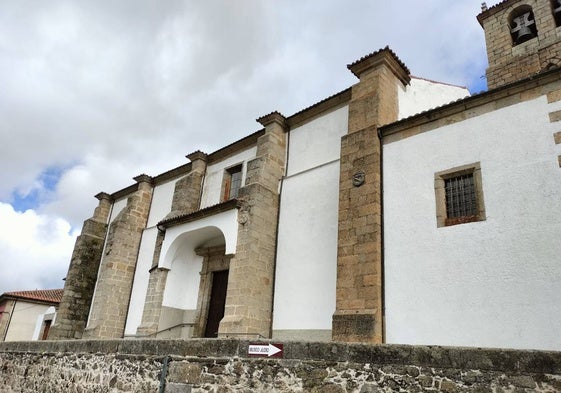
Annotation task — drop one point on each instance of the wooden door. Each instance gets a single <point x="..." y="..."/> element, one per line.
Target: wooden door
<point x="217" y="302"/>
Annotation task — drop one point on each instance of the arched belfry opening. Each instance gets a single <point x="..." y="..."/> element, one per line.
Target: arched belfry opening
<point x="522" y="25"/>
<point x="556" y="11"/>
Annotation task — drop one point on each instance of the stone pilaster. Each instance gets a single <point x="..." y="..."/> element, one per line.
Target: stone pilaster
<point x="155" y="293"/>
<point x="80" y="281"/>
<point x="186" y="199"/>
<point x="249" y="300"/>
<point x="359" y="302"/>
<point x="110" y="304"/>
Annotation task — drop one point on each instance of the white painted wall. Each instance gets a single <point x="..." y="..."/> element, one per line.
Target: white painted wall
<point x="317" y="142"/>
<point x="162" y="197"/>
<point x="494" y="283"/>
<point x="116" y="209"/>
<point x="306" y="267"/>
<point x="178" y="254"/>
<point x="212" y="184"/>
<point x="421" y="95"/>
<point x="39" y="322"/>
<point x="141" y="277"/>
<point x="24" y="318"/>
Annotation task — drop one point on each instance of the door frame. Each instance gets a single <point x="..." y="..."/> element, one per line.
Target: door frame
<point x="214" y="260"/>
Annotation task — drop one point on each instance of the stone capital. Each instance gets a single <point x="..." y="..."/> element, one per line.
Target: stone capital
<point x="271" y="118"/>
<point x="383" y="58"/>
<point x="103" y="196"/>
<point x="143" y="178"/>
<point x="197" y="155"/>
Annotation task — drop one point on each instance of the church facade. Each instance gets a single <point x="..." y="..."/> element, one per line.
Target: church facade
<point x="399" y="210"/>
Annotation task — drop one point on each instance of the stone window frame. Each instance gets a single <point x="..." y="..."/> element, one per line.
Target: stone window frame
<point x="227" y="181"/>
<point x="442" y="219"/>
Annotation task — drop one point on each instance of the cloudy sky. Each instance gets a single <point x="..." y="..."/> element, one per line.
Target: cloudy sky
<point x="93" y="93"/>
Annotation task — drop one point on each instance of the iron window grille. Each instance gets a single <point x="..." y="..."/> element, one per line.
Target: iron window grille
<point x="459" y="195"/>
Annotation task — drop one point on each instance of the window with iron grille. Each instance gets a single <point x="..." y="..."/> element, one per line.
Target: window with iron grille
<point x="459" y="195"/>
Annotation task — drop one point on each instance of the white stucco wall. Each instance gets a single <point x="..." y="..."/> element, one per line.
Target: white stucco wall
<point x="116" y="208"/>
<point x="317" y="142"/>
<point x="141" y="277"/>
<point x="421" y="95"/>
<point x="494" y="283"/>
<point x="24" y="319"/>
<point x="39" y="322"/>
<point x="212" y="184"/>
<point x="306" y="267"/>
<point x="162" y="197"/>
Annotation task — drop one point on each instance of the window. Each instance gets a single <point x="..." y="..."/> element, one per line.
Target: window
<point x="232" y="182"/>
<point x="522" y="25"/>
<point x="459" y="195"/>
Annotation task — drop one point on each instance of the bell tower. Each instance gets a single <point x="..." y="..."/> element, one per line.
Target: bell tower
<point x="523" y="38"/>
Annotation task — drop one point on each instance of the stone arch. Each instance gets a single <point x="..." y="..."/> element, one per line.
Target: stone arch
<point x="522" y="24"/>
<point x="193" y="258"/>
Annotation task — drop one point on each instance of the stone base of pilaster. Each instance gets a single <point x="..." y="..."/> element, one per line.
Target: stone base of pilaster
<point x="356" y="326"/>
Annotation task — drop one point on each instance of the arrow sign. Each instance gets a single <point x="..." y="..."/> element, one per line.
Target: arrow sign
<point x="265" y="350"/>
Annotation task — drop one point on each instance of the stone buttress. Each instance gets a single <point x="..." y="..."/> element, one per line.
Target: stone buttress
<point x="116" y="274"/>
<point x="186" y="199"/>
<point x="81" y="278"/>
<point x="359" y="293"/>
<point x="249" y="298"/>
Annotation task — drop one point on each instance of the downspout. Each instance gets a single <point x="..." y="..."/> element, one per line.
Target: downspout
<point x="381" y="171"/>
<point x="277" y="232"/>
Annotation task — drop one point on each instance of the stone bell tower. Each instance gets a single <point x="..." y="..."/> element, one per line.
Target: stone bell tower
<point x="523" y="39"/>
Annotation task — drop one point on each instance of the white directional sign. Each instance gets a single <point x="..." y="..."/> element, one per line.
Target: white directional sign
<point x="265" y="350"/>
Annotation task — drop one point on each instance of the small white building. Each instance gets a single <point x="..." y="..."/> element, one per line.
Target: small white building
<point x="28" y="315"/>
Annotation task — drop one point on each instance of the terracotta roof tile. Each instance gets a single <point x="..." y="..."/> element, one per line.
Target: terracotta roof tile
<point x="42" y="295"/>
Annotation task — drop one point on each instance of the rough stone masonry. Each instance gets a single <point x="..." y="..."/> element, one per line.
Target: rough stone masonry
<point x="216" y="365"/>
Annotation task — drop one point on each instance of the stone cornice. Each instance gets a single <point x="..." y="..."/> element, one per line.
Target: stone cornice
<point x="493" y="10"/>
<point x="334" y="101"/>
<point x="197" y="215"/>
<point x="241" y="144"/>
<point x="476" y="105"/>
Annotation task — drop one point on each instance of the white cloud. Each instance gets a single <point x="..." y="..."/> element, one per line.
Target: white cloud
<point x="109" y="90"/>
<point x="31" y="248"/>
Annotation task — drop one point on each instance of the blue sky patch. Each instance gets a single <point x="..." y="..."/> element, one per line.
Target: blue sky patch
<point x="40" y="193"/>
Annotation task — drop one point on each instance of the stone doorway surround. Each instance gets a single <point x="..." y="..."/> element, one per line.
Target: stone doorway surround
<point x="214" y="260"/>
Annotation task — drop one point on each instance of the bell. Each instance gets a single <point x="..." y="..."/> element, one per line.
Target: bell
<point x="524" y="34"/>
<point x="522" y="28"/>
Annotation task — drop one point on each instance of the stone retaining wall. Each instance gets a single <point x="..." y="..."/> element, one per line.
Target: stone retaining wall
<point x="223" y="366"/>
